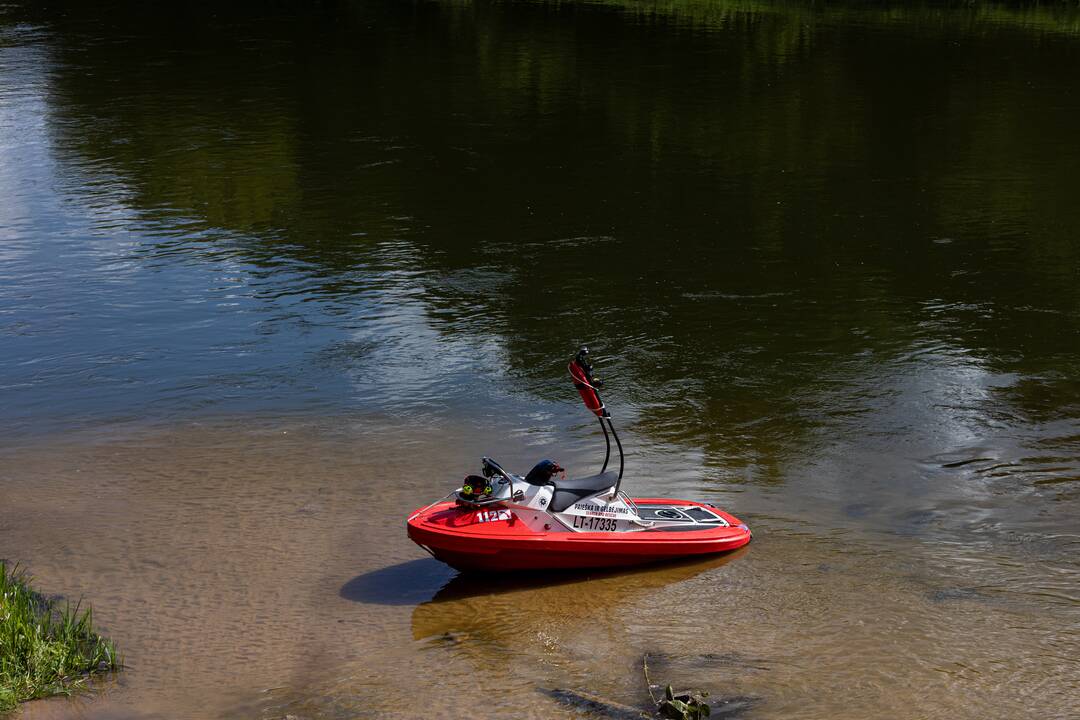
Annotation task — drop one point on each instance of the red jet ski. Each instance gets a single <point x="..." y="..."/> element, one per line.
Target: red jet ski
<point x="501" y="521"/>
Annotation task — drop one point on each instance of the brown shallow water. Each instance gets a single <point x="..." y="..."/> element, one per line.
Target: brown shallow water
<point x="257" y="569"/>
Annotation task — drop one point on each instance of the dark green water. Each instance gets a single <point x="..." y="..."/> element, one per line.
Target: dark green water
<point x="827" y="257"/>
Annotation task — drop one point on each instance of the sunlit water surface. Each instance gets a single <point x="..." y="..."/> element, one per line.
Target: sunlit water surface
<point x="272" y="278"/>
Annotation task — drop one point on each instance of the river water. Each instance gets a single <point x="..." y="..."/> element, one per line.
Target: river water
<point x="272" y="277"/>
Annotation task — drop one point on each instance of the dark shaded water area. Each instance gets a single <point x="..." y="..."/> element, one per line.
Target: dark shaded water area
<point x="254" y="258"/>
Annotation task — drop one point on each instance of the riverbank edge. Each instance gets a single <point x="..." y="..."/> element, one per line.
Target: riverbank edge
<point x="45" y="649"/>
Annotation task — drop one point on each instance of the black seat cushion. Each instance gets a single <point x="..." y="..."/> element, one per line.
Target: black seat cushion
<point x="568" y="492"/>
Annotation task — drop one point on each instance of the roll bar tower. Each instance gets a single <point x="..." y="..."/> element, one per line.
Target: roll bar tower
<point x="588" y="386"/>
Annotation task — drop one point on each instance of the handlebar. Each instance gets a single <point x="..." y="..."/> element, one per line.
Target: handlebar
<point x="582" y="361"/>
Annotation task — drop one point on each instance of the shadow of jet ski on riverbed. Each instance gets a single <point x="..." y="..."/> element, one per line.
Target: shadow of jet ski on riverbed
<point x="481" y="606"/>
<point x="426" y="580"/>
<point x="407" y="583"/>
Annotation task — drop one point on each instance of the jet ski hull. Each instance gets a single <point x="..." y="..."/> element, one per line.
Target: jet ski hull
<point x="472" y="539"/>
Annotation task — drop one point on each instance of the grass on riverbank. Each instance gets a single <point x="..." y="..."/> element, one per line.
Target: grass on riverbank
<point x="44" y="649"/>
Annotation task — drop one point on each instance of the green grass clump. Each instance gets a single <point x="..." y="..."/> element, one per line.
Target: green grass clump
<point x="44" y="649"/>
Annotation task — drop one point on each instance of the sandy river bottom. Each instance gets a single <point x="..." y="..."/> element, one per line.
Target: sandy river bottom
<point x="261" y="569"/>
